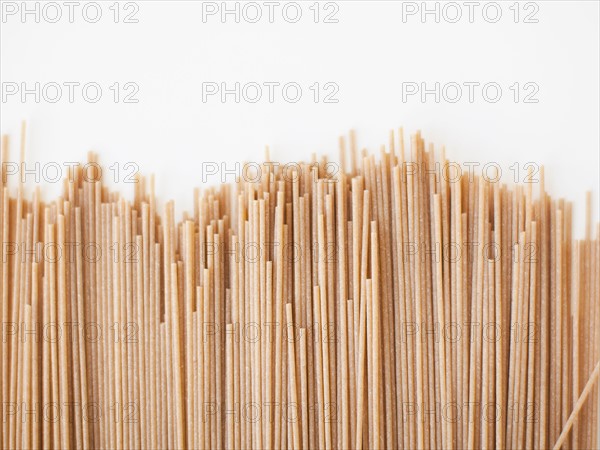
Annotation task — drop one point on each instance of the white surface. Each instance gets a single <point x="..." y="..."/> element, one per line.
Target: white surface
<point x="368" y="54"/>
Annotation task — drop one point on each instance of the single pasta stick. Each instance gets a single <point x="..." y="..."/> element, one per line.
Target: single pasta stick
<point x="307" y="273"/>
<point x="331" y="322"/>
<point x="366" y="210"/>
<point x="17" y="318"/>
<point x="235" y="317"/>
<point x="413" y="232"/>
<point x="206" y="354"/>
<point x="513" y="342"/>
<point x="545" y="313"/>
<point x="596" y="323"/>
<point x="461" y="369"/>
<point x="345" y="428"/>
<point x="319" y="370"/>
<point x="559" y="317"/>
<point x="576" y="363"/>
<point x="200" y="308"/>
<point x="24" y="358"/>
<point x="372" y="372"/>
<point x="4" y="385"/>
<point x="446" y="431"/>
<point x="95" y="220"/>
<point x="129" y="356"/>
<point x="578" y="405"/>
<point x="261" y="239"/>
<point x="400" y="311"/>
<point x="485" y="375"/>
<point x="521" y="355"/>
<point x="352" y="375"/>
<point x="56" y="432"/>
<point x="279" y="266"/>
<point x="36" y="364"/>
<point x="27" y="380"/>
<point x="268" y="352"/>
<point x="163" y="357"/>
<point x="230" y="380"/>
<point x="449" y="304"/>
<point x="189" y="335"/>
<point x="62" y="349"/>
<point x="303" y="403"/>
<point x="342" y="398"/>
<point x="46" y="362"/>
<point x="81" y="319"/>
<point x="172" y="399"/>
<point x="378" y="437"/>
<point x="324" y="326"/>
<point x="362" y="344"/>
<point x="492" y="369"/>
<point x="567" y="337"/>
<point x="528" y="426"/>
<point x="177" y="360"/>
<point x="149" y="325"/>
<point x="499" y="316"/>
<point x="292" y="369"/>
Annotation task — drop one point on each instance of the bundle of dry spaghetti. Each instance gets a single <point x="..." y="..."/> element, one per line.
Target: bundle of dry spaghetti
<point x="389" y="305"/>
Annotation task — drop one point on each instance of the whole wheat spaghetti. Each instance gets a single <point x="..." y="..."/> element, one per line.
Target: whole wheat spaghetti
<point x="388" y="304"/>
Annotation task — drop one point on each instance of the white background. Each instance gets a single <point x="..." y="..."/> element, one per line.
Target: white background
<point x="368" y="54"/>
